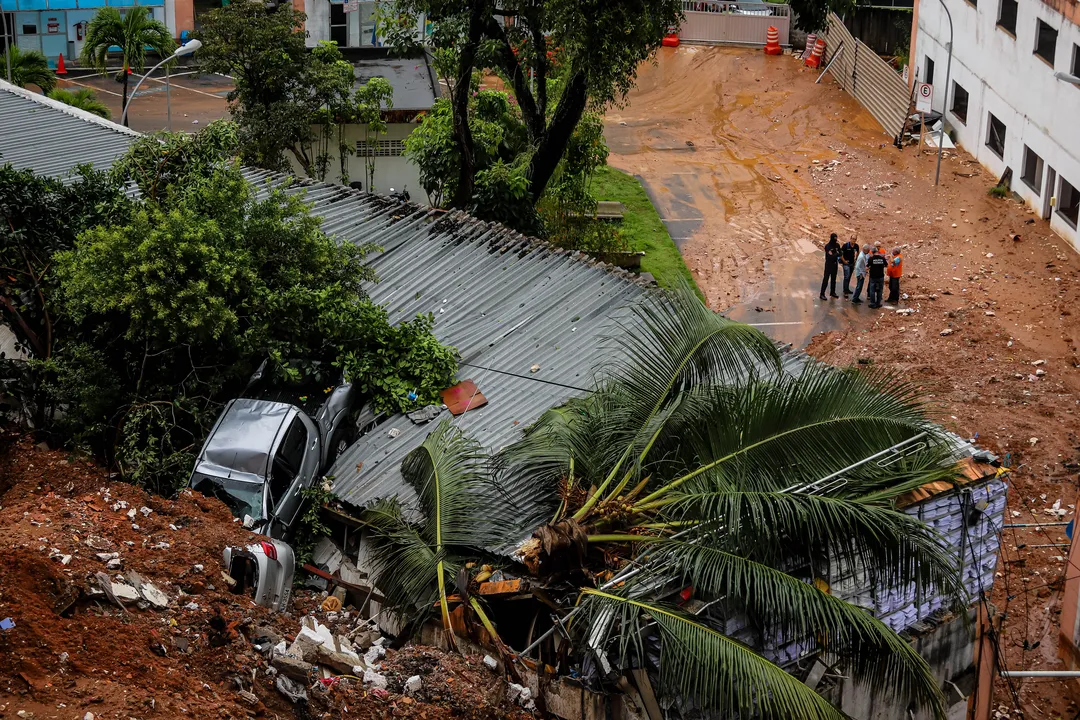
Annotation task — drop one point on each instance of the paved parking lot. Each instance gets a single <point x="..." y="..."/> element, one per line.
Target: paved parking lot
<point x="195" y="99"/>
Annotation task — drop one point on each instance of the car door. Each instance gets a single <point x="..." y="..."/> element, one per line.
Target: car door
<point x="294" y="466"/>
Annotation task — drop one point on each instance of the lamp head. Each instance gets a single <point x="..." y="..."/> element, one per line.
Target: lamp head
<point x="187" y="48"/>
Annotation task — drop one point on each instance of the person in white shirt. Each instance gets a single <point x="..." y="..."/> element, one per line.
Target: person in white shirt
<point x="860" y="272"/>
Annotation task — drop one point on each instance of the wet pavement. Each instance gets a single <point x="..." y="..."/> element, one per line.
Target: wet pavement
<point x="717" y="140"/>
<point x="195" y="99"/>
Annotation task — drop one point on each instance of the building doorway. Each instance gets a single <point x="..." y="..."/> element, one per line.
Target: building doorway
<point x="1048" y="192"/>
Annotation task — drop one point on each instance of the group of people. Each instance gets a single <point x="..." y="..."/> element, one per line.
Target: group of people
<point x="868" y="264"/>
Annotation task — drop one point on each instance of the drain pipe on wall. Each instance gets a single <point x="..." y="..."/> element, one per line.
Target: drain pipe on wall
<point x="948" y="70"/>
<point x="1040" y="673"/>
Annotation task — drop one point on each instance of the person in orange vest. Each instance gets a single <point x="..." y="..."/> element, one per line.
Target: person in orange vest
<point x="896" y="270"/>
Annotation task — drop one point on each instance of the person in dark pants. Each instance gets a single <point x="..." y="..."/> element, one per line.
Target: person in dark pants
<point x="895" y="272"/>
<point x="849" y="251"/>
<point x="832" y="257"/>
<point x="860" y="273"/>
<point x="875" y="269"/>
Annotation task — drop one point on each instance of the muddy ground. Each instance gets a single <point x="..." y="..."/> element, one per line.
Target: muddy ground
<point x="72" y="651"/>
<point x="752" y="165"/>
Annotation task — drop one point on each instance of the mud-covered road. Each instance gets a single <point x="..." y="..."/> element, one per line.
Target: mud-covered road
<point x="752" y="165"/>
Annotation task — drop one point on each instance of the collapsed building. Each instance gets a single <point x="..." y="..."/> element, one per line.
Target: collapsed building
<point x="530" y="324"/>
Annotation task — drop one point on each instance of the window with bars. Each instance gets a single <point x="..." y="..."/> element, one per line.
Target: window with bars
<point x="380" y="148"/>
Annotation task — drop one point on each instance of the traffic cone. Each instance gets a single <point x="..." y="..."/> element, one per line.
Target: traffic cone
<point x="60" y="69"/>
<point x="814" y="60"/>
<point x="772" y="42"/>
<point x="671" y="38"/>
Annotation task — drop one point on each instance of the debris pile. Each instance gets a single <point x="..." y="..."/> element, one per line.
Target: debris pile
<point x="105" y="613"/>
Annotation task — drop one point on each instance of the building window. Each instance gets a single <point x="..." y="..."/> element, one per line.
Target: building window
<point x="1076" y="61"/>
<point x="380" y="148"/>
<point x="1068" y="205"/>
<point x="1007" y="16"/>
<point x="28" y="29"/>
<point x="1033" y="170"/>
<point x="1045" y="41"/>
<point x="928" y="76"/>
<point x="995" y="139"/>
<point x="959" y="102"/>
<point x="339" y="28"/>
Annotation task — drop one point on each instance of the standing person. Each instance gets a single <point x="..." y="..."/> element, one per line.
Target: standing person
<point x="832" y="256"/>
<point x="860" y="272"/>
<point x="848" y="251"/>
<point x="875" y="271"/>
<point x="896" y="270"/>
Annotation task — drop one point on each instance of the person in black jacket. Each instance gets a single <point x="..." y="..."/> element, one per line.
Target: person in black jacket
<point x="875" y="269"/>
<point x="848" y="252"/>
<point x="832" y="257"/>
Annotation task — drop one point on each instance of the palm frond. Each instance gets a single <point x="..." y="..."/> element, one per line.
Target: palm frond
<point x="698" y="662"/>
<point x="887" y="548"/>
<point x="789" y="609"/>
<point x="83" y="99"/>
<point x="791" y="430"/>
<point x="675" y="345"/>
<point x="29" y="67"/>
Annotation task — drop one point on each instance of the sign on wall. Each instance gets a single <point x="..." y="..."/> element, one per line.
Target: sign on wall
<point x="924" y="93"/>
<point x="352" y="5"/>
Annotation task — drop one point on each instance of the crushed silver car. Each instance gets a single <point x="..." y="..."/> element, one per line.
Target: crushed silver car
<point x="260" y="456"/>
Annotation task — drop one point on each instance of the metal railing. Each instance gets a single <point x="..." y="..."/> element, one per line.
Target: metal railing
<point x="715" y="22"/>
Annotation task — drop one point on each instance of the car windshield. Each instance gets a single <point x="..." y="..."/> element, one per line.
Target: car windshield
<point x="243" y="498"/>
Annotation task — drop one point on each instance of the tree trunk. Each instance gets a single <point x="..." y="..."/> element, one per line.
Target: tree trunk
<point x="508" y="63"/>
<point x="569" y="110"/>
<point x="462" y="88"/>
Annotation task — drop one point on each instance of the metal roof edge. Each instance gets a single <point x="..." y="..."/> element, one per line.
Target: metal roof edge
<point x="67" y="109"/>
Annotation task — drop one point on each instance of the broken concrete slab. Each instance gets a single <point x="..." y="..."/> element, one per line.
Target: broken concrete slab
<point x="292" y="667"/>
<point x="374" y="680"/>
<point x="413" y="685"/>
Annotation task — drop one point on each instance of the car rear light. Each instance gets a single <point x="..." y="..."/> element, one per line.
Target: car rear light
<point x="269" y="550"/>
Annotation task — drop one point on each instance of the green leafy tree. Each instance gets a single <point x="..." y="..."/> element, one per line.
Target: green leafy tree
<point x="696" y="463"/>
<point x="813" y="15"/>
<point x="82" y="98"/>
<point x="371" y="100"/>
<point x="143" y="316"/>
<point x="29" y="67"/>
<point x="600" y="47"/>
<point x="134" y="33"/>
<point x="282" y="89"/>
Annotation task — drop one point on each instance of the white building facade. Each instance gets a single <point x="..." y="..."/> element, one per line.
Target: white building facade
<point x="1004" y="104"/>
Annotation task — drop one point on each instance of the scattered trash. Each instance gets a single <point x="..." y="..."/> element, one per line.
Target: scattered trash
<point x="413" y="685"/>
<point x="291" y="689"/>
<point x="491" y="663"/>
<point x="374" y="680"/>
<point x="7" y="624"/>
<point x="393" y="433"/>
<point x="946" y="331"/>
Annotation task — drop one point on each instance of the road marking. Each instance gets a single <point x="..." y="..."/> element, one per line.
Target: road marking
<point x="795" y="322"/>
<point x="95" y="89"/>
<point x="185" y="87"/>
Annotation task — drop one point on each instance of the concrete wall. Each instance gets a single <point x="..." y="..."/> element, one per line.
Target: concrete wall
<point x="390" y="172"/>
<point x="1003" y="76"/>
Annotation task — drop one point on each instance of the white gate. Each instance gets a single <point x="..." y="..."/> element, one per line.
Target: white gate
<point x="712" y="22"/>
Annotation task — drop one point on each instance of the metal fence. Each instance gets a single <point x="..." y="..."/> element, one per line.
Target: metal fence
<point x="864" y="75"/>
<point x="742" y="23"/>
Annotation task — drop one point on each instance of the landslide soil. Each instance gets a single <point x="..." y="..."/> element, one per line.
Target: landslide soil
<point x="735" y="135"/>
<point x="72" y="652"/>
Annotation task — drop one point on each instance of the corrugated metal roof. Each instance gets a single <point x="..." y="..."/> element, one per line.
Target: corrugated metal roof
<point x="52" y="138"/>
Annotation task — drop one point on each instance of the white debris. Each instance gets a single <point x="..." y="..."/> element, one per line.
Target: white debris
<point x="491" y="663"/>
<point x="374" y="680"/>
<point x="123" y="591"/>
<point x="192" y="606"/>
<point x="153" y="596"/>
<point x="394" y="432"/>
<point x="115" y="564"/>
<point x="1039" y="362"/>
<point x="413" y="685"/>
<point x="145" y="511"/>
<point x="946" y="331"/>
<point x="374" y="654"/>
<point x="198" y="568"/>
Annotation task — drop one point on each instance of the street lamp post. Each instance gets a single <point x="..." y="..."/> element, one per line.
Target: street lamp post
<point x="186" y="49"/>
<point x="948" y="70"/>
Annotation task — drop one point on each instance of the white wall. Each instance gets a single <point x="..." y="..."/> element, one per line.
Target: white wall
<point x="390" y="172"/>
<point x="318" y="21"/>
<point x="1003" y="76"/>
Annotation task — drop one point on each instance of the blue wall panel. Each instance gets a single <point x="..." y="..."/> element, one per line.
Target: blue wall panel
<point x="32" y="5"/>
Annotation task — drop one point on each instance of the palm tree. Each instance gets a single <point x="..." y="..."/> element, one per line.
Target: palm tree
<point x="696" y="463"/>
<point x="133" y="33"/>
<point x="29" y="67"/>
<point x="84" y="99"/>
